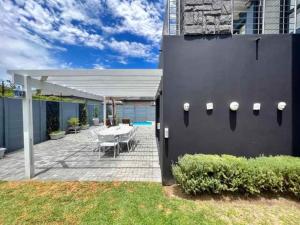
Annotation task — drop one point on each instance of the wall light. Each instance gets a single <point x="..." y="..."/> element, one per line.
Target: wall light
<point x="234" y="106"/>
<point x="281" y="106"/>
<point x="256" y="106"/>
<point x="186" y="106"/>
<point x="209" y="106"/>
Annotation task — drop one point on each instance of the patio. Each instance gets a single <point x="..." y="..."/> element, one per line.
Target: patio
<point x="71" y="158"/>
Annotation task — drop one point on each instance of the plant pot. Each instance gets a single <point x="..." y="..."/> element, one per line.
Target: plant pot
<point x="96" y="121"/>
<point x="85" y="127"/>
<point x="58" y="135"/>
<point x="2" y="151"/>
<point x="74" y="129"/>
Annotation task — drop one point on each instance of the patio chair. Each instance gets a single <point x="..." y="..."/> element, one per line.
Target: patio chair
<point x="93" y="138"/>
<point x="127" y="140"/>
<point x="134" y="140"/>
<point x="108" y="141"/>
<point x="126" y="121"/>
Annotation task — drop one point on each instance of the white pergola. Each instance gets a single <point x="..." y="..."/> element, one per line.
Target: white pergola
<point x="91" y="84"/>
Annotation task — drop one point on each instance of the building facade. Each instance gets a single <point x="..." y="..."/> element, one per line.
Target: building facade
<point x="218" y="52"/>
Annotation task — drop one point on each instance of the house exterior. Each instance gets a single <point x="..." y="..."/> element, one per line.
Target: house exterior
<point x="219" y="52"/>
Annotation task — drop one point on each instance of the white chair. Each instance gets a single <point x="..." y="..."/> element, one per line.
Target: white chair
<point x="133" y="137"/>
<point x="93" y="139"/>
<point x="126" y="139"/>
<point x="107" y="142"/>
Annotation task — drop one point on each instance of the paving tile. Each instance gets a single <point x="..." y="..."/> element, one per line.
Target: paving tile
<point x="73" y="158"/>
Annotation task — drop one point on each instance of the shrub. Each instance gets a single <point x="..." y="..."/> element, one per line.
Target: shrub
<point x="200" y="173"/>
<point x="73" y="121"/>
<point x="83" y="117"/>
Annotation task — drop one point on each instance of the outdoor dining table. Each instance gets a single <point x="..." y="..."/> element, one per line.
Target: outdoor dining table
<point x="116" y="130"/>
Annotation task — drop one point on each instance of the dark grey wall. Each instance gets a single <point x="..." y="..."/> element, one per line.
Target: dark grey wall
<point x="220" y="70"/>
<point x="39" y="122"/>
<point x="66" y="111"/>
<point x="13" y="125"/>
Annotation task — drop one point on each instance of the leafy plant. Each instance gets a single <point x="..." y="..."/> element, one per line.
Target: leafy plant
<point x="73" y="121"/>
<point x="200" y="173"/>
<point x="83" y="114"/>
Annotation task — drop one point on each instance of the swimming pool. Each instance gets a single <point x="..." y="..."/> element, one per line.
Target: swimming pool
<point x="142" y="123"/>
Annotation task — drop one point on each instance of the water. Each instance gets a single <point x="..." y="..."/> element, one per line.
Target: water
<point x="142" y="123"/>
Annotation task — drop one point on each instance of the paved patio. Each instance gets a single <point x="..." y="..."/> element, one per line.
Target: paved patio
<point x="71" y="158"/>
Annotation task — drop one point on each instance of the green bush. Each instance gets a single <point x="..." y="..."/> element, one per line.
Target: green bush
<point x="200" y="173"/>
<point x="73" y="121"/>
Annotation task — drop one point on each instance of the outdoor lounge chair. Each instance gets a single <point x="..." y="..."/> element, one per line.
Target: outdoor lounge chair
<point x="107" y="142"/>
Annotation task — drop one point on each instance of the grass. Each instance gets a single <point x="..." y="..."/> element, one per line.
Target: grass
<point x="131" y="203"/>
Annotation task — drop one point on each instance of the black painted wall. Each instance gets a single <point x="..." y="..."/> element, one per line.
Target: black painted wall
<point x="243" y="68"/>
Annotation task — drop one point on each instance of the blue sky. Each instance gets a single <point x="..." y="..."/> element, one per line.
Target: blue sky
<point x="49" y="34"/>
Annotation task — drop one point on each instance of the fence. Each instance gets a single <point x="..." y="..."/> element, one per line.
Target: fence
<point x="11" y="123"/>
<point x="136" y="112"/>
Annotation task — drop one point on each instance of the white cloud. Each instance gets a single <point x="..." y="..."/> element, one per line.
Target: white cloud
<point x="33" y="31"/>
<point x="132" y="49"/>
<point x="98" y="66"/>
<point x="23" y="54"/>
<point x="139" y="17"/>
<point x="52" y="23"/>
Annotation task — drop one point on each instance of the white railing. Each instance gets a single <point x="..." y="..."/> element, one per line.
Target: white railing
<point x="172" y="18"/>
<point x="264" y="16"/>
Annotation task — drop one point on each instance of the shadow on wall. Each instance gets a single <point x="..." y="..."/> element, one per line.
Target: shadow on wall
<point x="186" y="118"/>
<point x="232" y="119"/>
<point x="206" y="37"/>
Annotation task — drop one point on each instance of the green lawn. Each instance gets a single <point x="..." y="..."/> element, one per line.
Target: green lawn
<point x="130" y="203"/>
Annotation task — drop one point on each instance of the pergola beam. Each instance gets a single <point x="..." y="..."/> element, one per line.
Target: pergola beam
<point x="53" y="89"/>
<point x="81" y="83"/>
<point x="93" y="72"/>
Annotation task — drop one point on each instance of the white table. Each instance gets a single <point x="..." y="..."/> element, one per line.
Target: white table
<point x="116" y="130"/>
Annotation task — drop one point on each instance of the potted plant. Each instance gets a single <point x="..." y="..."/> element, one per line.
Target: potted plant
<point x="2" y="151"/>
<point x="57" y="134"/>
<point x="96" y="116"/>
<point x="83" y="117"/>
<point x="74" y="124"/>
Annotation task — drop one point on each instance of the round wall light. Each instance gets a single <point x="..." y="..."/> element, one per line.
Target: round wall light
<point x="281" y="106"/>
<point x="186" y="106"/>
<point x="234" y="106"/>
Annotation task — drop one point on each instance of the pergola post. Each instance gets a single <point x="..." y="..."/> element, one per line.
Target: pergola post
<point x="104" y="111"/>
<point x="28" y="129"/>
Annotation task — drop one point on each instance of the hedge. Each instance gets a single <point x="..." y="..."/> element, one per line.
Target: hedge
<point x="197" y="174"/>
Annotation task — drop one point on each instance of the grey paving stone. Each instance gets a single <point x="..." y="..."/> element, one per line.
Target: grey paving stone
<point x="73" y="158"/>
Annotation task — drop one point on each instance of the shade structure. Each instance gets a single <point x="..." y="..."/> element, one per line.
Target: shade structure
<point x="91" y="84"/>
<point x="94" y="82"/>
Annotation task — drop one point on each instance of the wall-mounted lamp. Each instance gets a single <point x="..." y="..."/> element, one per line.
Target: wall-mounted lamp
<point x="234" y="106"/>
<point x="209" y="106"/>
<point x="167" y="132"/>
<point x="281" y="106"/>
<point x="186" y="106"/>
<point x="256" y="106"/>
